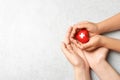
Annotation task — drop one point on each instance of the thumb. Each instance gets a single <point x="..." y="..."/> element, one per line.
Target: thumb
<point x="86" y="45"/>
<point x="81" y="26"/>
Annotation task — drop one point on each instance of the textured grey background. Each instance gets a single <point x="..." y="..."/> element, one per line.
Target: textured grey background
<point x="31" y="32"/>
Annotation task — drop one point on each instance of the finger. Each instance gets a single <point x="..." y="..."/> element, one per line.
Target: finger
<point x="65" y="50"/>
<point x="72" y="38"/>
<point x="70" y="49"/>
<point x="81" y="26"/>
<point x="67" y="40"/>
<point x="90" y="49"/>
<point x="78" y="51"/>
<point x="74" y="41"/>
<point x="76" y="48"/>
<point x="77" y="43"/>
<point x="86" y="45"/>
<point x="91" y="34"/>
<point x="80" y="23"/>
<point x="73" y="32"/>
<point x="75" y="28"/>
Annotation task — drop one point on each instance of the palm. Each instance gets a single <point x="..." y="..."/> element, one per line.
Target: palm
<point x="80" y="54"/>
<point x="96" y="56"/>
<point x="72" y="56"/>
<point x="76" y="60"/>
<point x="71" y="51"/>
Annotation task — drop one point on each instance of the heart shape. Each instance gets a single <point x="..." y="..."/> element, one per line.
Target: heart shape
<point x="82" y="36"/>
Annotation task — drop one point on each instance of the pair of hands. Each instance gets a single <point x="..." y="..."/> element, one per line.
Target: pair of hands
<point x="84" y="55"/>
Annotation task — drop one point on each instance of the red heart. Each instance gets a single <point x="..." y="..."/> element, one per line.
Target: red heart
<point x="82" y="35"/>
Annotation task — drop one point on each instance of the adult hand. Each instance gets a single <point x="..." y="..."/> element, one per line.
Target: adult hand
<point x="73" y="54"/>
<point x="100" y="66"/>
<point x="96" y="56"/>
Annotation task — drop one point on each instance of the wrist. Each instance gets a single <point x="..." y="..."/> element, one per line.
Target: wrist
<point x="100" y="27"/>
<point x="83" y="65"/>
<point x="97" y="64"/>
<point x="102" y="69"/>
<point x="82" y="74"/>
<point x="82" y="68"/>
<point x="102" y="41"/>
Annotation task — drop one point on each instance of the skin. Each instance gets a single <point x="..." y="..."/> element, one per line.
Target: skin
<point x="82" y="60"/>
<point x="81" y="69"/>
<point x="110" y="24"/>
<point x="76" y="57"/>
<point x="96" y="40"/>
<point x="95" y="59"/>
<point x="98" y="63"/>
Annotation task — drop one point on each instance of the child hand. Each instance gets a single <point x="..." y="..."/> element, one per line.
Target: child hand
<point x="94" y="42"/>
<point x="91" y="27"/>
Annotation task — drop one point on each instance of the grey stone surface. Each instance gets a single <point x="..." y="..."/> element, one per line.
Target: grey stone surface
<point x="31" y="32"/>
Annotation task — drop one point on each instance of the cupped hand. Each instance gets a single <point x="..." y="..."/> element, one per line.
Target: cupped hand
<point x="96" y="56"/>
<point x="94" y="42"/>
<point x="90" y="26"/>
<point x="73" y="53"/>
<point x="95" y="39"/>
<point x="72" y="56"/>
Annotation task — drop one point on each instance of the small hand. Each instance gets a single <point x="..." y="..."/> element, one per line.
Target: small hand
<point x="90" y="26"/>
<point x="93" y="43"/>
<point x="93" y="31"/>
